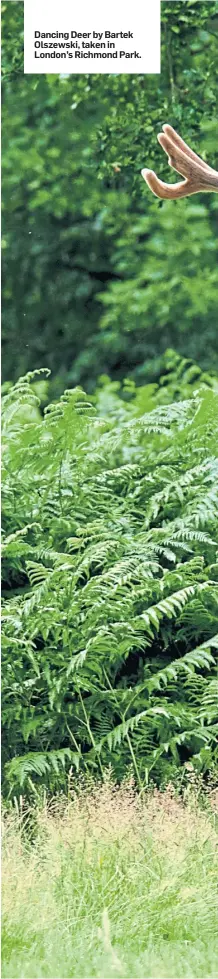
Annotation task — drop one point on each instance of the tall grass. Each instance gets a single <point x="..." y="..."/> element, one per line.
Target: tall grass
<point x="110" y="585"/>
<point x="106" y="884"/>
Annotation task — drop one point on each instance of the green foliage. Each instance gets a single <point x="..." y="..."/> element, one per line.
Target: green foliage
<point x="109" y="583"/>
<point x="98" y="276"/>
<point x="164" y="260"/>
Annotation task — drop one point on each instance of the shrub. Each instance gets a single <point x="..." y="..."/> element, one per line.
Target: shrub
<point x="109" y="584"/>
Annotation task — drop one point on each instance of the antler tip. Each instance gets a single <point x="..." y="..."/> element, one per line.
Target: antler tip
<point x="168" y="129"/>
<point x="147" y="174"/>
<point x="161" y="137"/>
<point x="153" y="182"/>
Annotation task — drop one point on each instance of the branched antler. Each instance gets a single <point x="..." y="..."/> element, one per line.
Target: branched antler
<point x="198" y="175"/>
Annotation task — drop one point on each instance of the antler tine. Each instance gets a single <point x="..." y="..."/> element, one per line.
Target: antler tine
<point x="198" y="175"/>
<point x="178" y="141"/>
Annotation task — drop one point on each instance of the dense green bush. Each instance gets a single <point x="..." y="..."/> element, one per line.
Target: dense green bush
<point x="109" y="581"/>
<point x="97" y="275"/>
<point x="167" y="290"/>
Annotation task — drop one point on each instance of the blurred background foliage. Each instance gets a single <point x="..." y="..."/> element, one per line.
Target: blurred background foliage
<point x="98" y="276"/>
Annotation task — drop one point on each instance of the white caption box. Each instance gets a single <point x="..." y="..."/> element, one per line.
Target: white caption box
<point x="63" y="37"/>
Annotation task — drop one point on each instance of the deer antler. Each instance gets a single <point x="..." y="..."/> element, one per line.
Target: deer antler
<point x="198" y="175"/>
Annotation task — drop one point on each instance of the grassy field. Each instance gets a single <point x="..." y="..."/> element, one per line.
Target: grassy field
<point x="110" y="886"/>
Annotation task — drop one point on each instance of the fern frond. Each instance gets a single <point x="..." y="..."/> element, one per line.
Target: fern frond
<point x="110" y="585"/>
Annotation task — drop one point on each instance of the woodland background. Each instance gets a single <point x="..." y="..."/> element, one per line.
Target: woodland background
<point x="98" y="276"/>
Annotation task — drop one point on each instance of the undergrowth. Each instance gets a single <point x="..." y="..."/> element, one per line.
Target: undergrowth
<point x="102" y="883"/>
<point x="110" y="587"/>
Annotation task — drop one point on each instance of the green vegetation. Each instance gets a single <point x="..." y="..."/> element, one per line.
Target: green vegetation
<point x="109" y="498"/>
<point x="110" y="581"/>
<point x="111" y="887"/>
<point x="98" y="277"/>
<point x="110" y="514"/>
